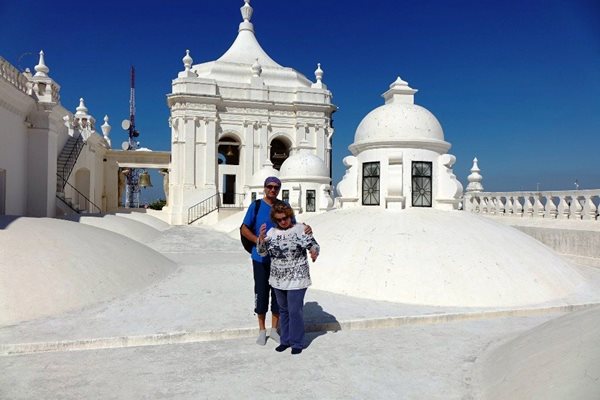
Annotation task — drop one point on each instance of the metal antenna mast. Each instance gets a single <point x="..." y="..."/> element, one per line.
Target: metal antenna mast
<point x="132" y="193"/>
<point x="132" y="131"/>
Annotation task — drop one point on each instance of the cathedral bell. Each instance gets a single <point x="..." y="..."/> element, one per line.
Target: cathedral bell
<point x="145" y="180"/>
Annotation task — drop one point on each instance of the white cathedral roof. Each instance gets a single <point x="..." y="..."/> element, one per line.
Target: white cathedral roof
<point x="400" y="122"/>
<point x="246" y="58"/>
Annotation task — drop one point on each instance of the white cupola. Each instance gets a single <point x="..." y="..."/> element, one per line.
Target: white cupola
<point x="399" y="158"/>
<point x="306" y="181"/>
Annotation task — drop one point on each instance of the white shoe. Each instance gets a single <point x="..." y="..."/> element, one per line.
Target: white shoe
<point x="274" y="335"/>
<point x="262" y="337"/>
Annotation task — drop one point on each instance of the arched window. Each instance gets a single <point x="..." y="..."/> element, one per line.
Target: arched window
<point x="280" y="151"/>
<point x="229" y="151"/>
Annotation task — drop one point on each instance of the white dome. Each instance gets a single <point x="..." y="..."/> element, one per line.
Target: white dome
<point x="400" y="123"/>
<point x="258" y="179"/>
<point x="396" y="122"/>
<point x="303" y="164"/>
<point x="437" y="258"/>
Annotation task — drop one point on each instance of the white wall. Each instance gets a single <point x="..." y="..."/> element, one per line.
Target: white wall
<point x="13" y="146"/>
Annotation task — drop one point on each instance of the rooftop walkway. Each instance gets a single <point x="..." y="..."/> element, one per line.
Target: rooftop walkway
<point x="192" y="336"/>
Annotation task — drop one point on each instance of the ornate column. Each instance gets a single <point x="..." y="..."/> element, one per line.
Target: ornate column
<point x="210" y="157"/>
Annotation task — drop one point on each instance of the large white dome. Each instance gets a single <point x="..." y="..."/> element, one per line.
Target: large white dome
<point x="303" y="164"/>
<point x="437" y="258"/>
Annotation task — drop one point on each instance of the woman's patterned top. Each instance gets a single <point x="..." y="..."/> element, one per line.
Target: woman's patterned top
<point x="287" y="249"/>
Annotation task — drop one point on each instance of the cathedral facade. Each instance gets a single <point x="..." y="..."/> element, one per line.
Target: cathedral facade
<point x="232" y="116"/>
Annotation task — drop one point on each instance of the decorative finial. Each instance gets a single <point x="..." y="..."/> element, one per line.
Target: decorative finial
<point x="256" y="69"/>
<point x="106" y="130"/>
<point x="41" y="69"/>
<point x="187" y="61"/>
<point x="399" y="83"/>
<point x="246" y="10"/>
<point x="106" y="127"/>
<point x="81" y="110"/>
<point x="475" y="178"/>
<point x="319" y="73"/>
<point x="400" y="92"/>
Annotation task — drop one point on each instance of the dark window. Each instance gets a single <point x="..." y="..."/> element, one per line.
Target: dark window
<point x="253" y="196"/>
<point x="285" y="195"/>
<point x="370" y="184"/>
<point x="311" y="205"/>
<point x="279" y="153"/>
<point x="421" y="184"/>
<point x="228" y="151"/>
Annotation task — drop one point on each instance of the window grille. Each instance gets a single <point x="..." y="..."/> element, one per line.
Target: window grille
<point x="421" y="184"/>
<point x="370" y="184"/>
<point x="311" y="205"/>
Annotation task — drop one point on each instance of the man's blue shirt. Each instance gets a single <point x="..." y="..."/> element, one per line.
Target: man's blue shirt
<point x="263" y="217"/>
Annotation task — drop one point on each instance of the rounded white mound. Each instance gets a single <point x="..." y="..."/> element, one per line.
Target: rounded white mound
<point x="433" y="257"/>
<point x="48" y="266"/>
<point x="556" y="360"/>
<point x="147" y="219"/>
<point x="128" y="227"/>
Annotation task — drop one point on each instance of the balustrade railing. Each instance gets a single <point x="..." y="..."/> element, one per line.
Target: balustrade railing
<point x="13" y="76"/>
<point x="571" y="204"/>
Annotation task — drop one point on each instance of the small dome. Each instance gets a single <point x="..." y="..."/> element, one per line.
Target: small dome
<point x="303" y="164"/>
<point x="398" y="122"/>
<point x="258" y="179"/>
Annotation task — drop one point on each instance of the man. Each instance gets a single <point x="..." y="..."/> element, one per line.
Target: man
<point x="262" y="265"/>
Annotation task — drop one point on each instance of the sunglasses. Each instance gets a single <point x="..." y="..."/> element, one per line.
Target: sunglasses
<point x="272" y="187"/>
<point x="281" y="219"/>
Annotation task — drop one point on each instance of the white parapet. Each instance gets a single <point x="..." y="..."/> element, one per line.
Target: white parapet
<point x="569" y="204"/>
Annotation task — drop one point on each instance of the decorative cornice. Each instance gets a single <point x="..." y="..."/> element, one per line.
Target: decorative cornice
<point x="438" y="146"/>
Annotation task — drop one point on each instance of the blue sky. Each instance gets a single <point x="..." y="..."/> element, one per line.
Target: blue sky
<point x="514" y="83"/>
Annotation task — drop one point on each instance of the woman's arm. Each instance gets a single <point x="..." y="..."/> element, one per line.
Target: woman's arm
<point x="261" y="241"/>
<point x="311" y="245"/>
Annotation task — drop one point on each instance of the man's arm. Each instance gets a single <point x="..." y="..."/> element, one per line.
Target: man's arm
<point x="248" y="234"/>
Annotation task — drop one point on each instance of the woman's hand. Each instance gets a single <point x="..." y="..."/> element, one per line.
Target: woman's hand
<point x="307" y="229"/>
<point x="314" y="254"/>
<point x="262" y="232"/>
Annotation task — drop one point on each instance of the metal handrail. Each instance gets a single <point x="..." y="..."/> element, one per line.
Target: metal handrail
<point x="88" y="201"/>
<point x="214" y="202"/>
<point x="203" y="208"/>
<point x="231" y="200"/>
<point x="71" y="161"/>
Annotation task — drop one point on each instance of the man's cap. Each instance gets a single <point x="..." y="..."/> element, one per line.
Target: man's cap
<point x="273" y="179"/>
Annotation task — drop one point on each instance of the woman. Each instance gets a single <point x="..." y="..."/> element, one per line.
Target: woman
<point x="286" y="244"/>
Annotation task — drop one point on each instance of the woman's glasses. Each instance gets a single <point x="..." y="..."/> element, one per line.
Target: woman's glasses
<point x="278" y="220"/>
<point x="272" y="187"/>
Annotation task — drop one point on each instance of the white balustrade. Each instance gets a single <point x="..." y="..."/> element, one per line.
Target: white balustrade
<point x="572" y="204"/>
<point x="12" y="75"/>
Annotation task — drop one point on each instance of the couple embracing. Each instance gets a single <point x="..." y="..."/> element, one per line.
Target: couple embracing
<point x="280" y="266"/>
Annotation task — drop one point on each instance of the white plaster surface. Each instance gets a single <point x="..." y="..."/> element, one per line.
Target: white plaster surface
<point x="49" y="266"/>
<point x="125" y="226"/>
<point x="443" y="258"/>
<point x="557" y="360"/>
<point x="411" y="362"/>
<point x="383" y="350"/>
<point x="144" y="218"/>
